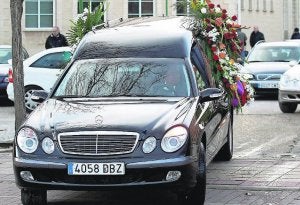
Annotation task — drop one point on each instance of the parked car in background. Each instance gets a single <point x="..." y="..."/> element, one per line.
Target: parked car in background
<point x="289" y="90"/>
<point x="129" y="111"/>
<point x="5" y="56"/>
<point x="40" y="73"/>
<point x="267" y="61"/>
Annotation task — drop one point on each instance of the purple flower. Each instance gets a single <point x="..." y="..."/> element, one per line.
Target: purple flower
<point x="240" y="88"/>
<point x="235" y="102"/>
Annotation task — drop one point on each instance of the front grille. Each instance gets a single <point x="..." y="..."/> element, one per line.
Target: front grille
<point x="268" y="76"/>
<point x="98" y="142"/>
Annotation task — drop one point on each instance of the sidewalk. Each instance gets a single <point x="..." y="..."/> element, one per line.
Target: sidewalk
<point x="255" y="174"/>
<point x="7" y="125"/>
<point x="240" y="181"/>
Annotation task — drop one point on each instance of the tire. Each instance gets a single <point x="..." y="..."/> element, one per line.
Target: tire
<point x="33" y="197"/>
<point x="29" y="104"/>
<point x="288" y="107"/>
<point x="197" y="195"/>
<point x="226" y="152"/>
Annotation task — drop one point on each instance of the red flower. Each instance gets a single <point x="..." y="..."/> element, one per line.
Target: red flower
<point x="219" y="68"/>
<point x="207" y="20"/>
<point x="227" y="36"/>
<point x="234" y="18"/>
<point x="219" y="6"/>
<point x="214" y="48"/>
<point x="211" y="6"/>
<point x="216" y="57"/>
<point x="224" y="15"/>
<point x="219" y="21"/>
<point x="224" y="11"/>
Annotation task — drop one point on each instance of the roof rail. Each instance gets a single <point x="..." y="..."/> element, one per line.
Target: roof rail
<point x="259" y="42"/>
<point x="107" y="24"/>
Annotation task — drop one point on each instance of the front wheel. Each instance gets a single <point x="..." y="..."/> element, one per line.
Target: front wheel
<point x="30" y="105"/>
<point x="288" y="107"/>
<point x="197" y="195"/>
<point x="33" y="197"/>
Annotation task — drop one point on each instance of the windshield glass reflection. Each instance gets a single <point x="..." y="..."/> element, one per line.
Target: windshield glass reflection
<point x="125" y="77"/>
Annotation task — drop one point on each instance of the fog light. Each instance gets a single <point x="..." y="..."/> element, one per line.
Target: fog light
<point x="173" y="175"/>
<point x="26" y="175"/>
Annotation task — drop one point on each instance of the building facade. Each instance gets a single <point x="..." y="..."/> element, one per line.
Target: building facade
<point x="275" y="18"/>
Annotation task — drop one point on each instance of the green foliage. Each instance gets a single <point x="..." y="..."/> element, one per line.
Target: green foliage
<point x="85" y="23"/>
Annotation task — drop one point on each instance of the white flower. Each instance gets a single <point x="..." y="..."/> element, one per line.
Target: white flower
<point x="203" y="10"/>
<point x="218" y="10"/>
<point x="85" y="10"/>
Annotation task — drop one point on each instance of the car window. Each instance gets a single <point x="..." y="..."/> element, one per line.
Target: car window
<point x="201" y="84"/>
<point x="126" y="77"/>
<point x="5" y="55"/>
<point x="274" y="54"/>
<point x="53" y="60"/>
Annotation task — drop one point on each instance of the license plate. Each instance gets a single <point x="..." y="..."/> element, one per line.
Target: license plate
<point x="96" y="168"/>
<point x="268" y="85"/>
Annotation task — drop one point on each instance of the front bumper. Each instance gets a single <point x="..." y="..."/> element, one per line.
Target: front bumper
<point x="146" y="174"/>
<point x="285" y="96"/>
<point x="265" y="87"/>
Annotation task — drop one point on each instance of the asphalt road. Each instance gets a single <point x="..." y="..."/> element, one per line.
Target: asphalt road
<point x="263" y="131"/>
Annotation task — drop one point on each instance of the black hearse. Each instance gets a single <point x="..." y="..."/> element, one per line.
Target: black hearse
<point x="136" y="107"/>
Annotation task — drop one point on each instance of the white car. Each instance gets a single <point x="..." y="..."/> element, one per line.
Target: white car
<point x="289" y="90"/>
<point x="40" y="73"/>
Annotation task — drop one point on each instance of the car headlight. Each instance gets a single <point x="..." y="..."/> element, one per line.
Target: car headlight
<point x="288" y="82"/>
<point x="48" y="145"/>
<point x="248" y="76"/>
<point x="149" y="145"/>
<point x="174" y="139"/>
<point x="27" y="140"/>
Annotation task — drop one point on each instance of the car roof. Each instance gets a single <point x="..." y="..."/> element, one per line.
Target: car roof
<point x="280" y="44"/>
<point x="155" y="39"/>
<point x="5" y="46"/>
<point x="45" y="52"/>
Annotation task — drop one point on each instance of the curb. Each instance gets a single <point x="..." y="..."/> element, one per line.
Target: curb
<point x="252" y="188"/>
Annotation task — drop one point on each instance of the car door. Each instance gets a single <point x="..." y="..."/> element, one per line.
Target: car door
<point x="216" y="127"/>
<point x="45" y="70"/>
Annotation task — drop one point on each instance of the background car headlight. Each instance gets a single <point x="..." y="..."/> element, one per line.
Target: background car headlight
<point x="149" y="145"/>
<point x="174" y="139"/>
<point x="27" y="140"/>
<point x="248" y="76"/>
<point x="48" y="145"/>
<point x="288" y="82"/>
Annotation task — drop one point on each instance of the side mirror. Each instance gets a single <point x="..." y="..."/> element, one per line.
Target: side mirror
<point x="210" y="94"/>
<point x="293" y="63"/>
<point x="39" y="96"/>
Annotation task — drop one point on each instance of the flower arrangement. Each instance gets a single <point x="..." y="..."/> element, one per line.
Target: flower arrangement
<point x="85" y="22"/>
<point x="218" y="34"/>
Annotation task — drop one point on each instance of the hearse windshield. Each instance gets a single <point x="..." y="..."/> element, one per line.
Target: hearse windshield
<point x="125" y="77"/>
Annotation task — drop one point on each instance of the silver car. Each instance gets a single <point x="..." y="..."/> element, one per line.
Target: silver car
<point x="267" y="62"/>
<point x="289" y="90"/>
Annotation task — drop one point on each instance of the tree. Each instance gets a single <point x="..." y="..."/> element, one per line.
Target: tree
<point x="16" y="9"/>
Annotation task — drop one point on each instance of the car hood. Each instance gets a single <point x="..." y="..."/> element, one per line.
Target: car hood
<point x="122" y="115"/>
<point x="4" y="69"/>
<point x="266" y="67"/>
<point x="294" y="72"/>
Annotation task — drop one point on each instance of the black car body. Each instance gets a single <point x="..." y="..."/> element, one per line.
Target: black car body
<point x="267" y="62"/>
<point x="118" y="124"/>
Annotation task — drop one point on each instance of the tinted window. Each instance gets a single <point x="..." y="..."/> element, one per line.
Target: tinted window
<point x="53" y="60"/>
<point x="272" y="53"/>
<point x="126" y="77"/>
<point x="5" y="55"/>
